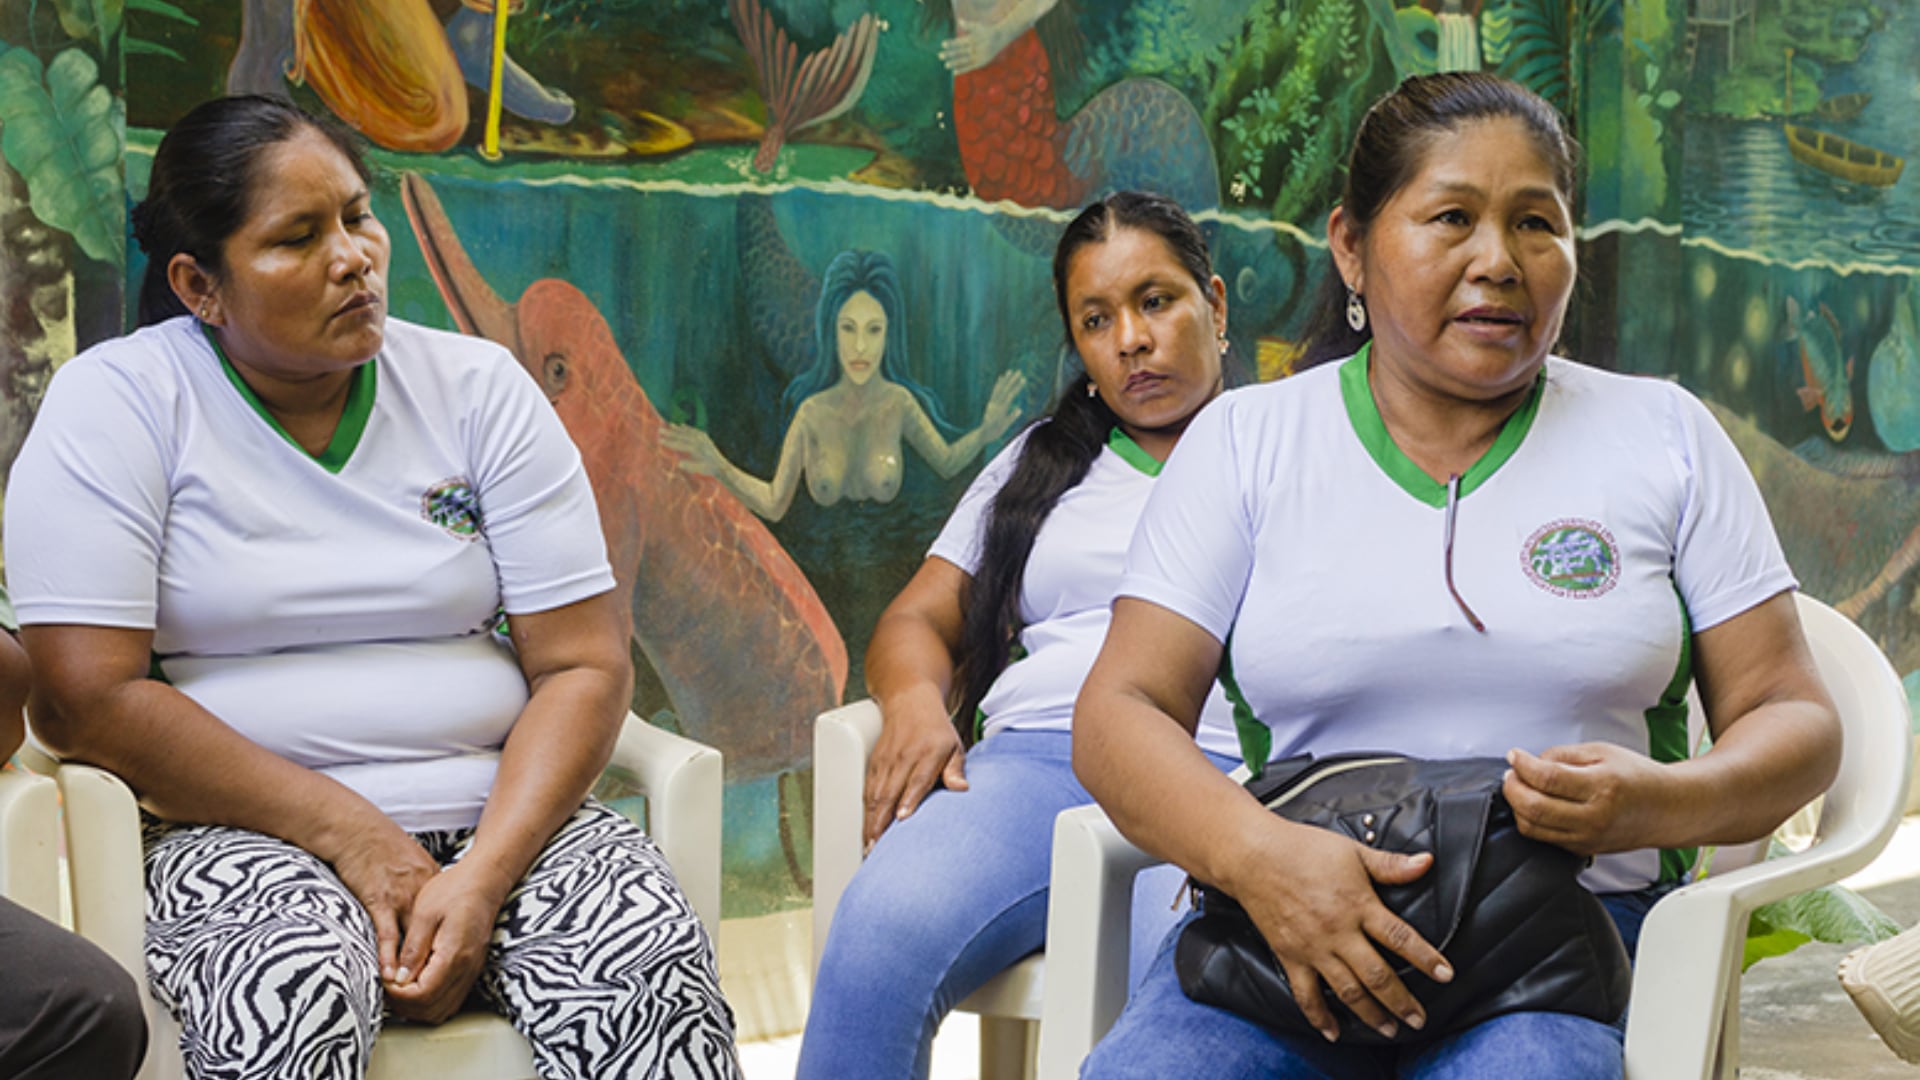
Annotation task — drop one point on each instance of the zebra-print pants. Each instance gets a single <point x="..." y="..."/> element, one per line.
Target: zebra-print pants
<point x="271" y="965"/>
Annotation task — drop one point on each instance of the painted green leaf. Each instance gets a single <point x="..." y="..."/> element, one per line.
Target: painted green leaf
<point x="161" y="7"/>
<point x="62" y="136"/>
<point x="137" y="47"/>
<point x="91" y="18"/>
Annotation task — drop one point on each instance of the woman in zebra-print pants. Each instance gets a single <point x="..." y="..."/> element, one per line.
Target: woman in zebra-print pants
<point x="329" y="591"/>
<point x="595" y="955"/>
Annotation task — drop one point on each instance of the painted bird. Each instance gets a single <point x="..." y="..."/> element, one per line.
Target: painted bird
<point x="742" y="644"/>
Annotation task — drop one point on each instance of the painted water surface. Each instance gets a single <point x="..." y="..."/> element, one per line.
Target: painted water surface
<point x="1743" y="188"/>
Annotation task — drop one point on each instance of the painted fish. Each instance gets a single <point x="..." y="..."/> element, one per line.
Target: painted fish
<point x="742" y="644"/>
<point x="1893" y="377"/>
<point x="1825" y="369"/>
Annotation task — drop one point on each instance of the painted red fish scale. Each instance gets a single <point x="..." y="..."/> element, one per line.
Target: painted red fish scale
<point x="1010" y="136"/>
<point x="739" y="638"/>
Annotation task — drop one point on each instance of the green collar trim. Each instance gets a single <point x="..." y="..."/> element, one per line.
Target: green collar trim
<point x="1130" y="452"/>
<point x="353" y="419"/>
<point x="1364" y="414"/>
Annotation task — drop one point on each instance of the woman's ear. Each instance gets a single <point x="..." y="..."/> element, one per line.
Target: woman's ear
<point x="1343" y="242"/>
<point x="195" y="287"/>
<point x="1217" y="300"/>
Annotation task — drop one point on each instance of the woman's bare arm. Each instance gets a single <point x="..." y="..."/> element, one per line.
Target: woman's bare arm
<point x="910" y="667"/>
<point x="92" y="701"/>
<point x="1776" y="745"/>
<point x="948" y="458"/>
<point x="1310" y="892"/>
<point x="769" y="499"/>
<point x="575" y="660"/>
<point x="16" y="678"/>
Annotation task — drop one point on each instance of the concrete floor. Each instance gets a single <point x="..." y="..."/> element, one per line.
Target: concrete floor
<point x="1797" y="1023"/>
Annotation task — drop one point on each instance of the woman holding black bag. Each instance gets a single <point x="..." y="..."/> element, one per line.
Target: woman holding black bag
<point x="1450" y="545"/>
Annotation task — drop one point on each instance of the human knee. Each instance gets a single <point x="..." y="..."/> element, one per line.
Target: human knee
<point x="111" y="1004"/>
<point x="95" y="1013"/>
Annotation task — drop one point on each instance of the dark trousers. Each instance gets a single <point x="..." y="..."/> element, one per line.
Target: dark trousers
<point x="66" y="1009"/>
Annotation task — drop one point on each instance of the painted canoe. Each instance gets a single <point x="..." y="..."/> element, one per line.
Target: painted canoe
<point x="1844" y="158"/>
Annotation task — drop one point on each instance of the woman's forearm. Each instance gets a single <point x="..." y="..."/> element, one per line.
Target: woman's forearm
<point x="557" y="749"/>
<point x="1761" y="770"/>
<point x="760" y="496"/>
<point x="186" y="764"/>
<point x="580" y="681"/>
<point x="908" y="663"/>
<point x="1143" y="767"/>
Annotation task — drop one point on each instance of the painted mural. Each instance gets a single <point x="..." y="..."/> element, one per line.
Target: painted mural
<point x="63" y="222"/>
<point x="782" y="265"/>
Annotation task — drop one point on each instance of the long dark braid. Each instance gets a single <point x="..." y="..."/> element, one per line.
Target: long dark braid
<point x="1058" y="452"/>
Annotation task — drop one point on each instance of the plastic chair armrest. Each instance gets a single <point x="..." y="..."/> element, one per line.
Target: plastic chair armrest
<point x="843" y="739"/>
<point x="1089" y="914"/>
<point x="29" y="852"/>
<point x="682" y="780"/>
<point x="105" y="863"/>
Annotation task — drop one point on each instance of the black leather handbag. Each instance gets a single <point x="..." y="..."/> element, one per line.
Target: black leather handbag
<point x="1507" y="911"/>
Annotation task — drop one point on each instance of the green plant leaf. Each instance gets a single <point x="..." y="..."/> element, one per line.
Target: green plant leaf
<point x="1764" y="940"/>
<point x="1833" y="913"/>
<point x="62" y="136"/>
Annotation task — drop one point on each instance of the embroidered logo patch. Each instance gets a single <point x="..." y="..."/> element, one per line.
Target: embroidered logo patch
<point x="1572" y="558"/>
<point x="452" y="505"/>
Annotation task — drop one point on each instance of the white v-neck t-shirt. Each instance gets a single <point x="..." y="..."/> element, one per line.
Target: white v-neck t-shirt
<point x="1610" y="509"/>
<point x="337" y="609"/>
<point x="1066" y="593"/>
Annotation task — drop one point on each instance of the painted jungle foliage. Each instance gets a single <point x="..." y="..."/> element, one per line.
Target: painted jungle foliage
<point x="682" y="201"/>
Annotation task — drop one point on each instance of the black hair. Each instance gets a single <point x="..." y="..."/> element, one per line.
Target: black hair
<point x="200" y="191"/>
<point x="1058" y="452"/>
<point x="1388" y="150"/>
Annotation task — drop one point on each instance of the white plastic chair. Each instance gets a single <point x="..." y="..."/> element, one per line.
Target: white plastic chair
<point x="30" y="842"/>
<point x="680" y="778"/>
<point x="1685" y="1018"/>
<point x="1009" y="1005"/>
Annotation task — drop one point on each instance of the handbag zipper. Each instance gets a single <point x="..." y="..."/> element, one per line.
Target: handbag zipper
<point x="1289" y="794"/>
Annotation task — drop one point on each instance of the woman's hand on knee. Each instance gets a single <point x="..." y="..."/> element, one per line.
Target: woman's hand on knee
<point x="1317" y="908"/>
<point x="445" y="945"/>
<point x="916" y="750"/>
<point x="385" y="869"/>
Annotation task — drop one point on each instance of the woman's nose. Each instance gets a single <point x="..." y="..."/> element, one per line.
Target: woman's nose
<point x="351" y="258"/>
<point x="1493" y="257"/>
<point x="1131" y="333"/>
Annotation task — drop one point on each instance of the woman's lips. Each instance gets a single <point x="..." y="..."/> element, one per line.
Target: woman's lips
<point x="1490" y="315"/>
<point x="360" y="302"/>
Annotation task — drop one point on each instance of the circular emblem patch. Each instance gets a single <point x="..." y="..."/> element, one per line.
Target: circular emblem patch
<point x="452" y="505"/>
<point x="1572" y="558"/>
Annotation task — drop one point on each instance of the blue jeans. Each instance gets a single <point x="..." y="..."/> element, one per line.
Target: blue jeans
<point x="1161" y="1032"/>
<point x="948" y="899"/>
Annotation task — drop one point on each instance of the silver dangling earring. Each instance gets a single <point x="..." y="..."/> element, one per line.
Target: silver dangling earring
<point x="1356" y="312"/>
<point x="1092" y="390"/>
<point x="1223" y="344"/>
